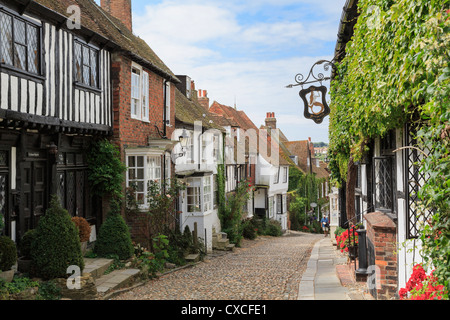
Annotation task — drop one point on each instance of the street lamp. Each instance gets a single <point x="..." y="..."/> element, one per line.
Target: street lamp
<point x="183" y="139"/>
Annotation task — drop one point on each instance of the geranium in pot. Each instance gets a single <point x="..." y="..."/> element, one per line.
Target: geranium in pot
<point x="8" y="257"/>
<point x="84" y="231"/>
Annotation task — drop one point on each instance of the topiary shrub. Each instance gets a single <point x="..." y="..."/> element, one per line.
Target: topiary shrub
<point x="114" y="237"/>
<point x="57" y="244"/>
<point x="83" y="227"/>
<point x="25" y="243"/>
<point x="8" y="253"/>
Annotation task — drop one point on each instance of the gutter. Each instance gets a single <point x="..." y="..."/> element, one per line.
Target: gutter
<point x="345" y="30"/>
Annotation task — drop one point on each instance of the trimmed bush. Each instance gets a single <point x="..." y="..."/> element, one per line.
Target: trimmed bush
<point x="25" y="243"/>
<point x="57" y="244"/>
<point x="114" y="237"/>
<point x="8" y="253"/>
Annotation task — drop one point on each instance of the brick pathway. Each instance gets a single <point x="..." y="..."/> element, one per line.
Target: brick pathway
<point x="268" y="268"/>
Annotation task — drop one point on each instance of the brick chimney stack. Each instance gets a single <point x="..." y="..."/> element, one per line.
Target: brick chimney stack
<point x="203" y="99"/>
<point x="120" y="9"/>
<point x="271" y="121"/>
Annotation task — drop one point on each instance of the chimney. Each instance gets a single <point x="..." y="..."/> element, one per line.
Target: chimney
<point x="120" y="9"/>
<point x="271" y="121"/>
<point x="203" y="99"/>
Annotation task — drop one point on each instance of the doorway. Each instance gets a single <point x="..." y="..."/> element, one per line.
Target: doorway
<point x="33" y="194"/>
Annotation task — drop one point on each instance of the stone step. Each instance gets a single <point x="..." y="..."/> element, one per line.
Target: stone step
<point x="96" y="266"/>
<point x="117" y="279"/>
<point x="193" y="257"/>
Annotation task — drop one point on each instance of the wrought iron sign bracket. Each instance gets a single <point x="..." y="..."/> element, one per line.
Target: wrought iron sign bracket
<point x="317" y="95"/>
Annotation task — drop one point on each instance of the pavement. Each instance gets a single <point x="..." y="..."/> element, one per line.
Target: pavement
<point x="329" y="276"/>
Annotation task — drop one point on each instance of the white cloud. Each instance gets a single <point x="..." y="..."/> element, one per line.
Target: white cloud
<point x="238" y="58"/>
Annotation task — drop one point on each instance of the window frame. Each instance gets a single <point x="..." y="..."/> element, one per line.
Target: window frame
<point x="143" y="99"/>
<point x="29" y="22"/>
<point x="148" y="172"/>
<point x="81" y="82"/>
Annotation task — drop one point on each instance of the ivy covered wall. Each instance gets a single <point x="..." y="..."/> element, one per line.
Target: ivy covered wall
<point x="396" y="66"/>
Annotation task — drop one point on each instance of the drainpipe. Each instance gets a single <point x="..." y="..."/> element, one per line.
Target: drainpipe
<point x="165" y="110"/>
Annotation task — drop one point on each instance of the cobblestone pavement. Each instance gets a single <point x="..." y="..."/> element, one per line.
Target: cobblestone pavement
<point x="268" y="268"/>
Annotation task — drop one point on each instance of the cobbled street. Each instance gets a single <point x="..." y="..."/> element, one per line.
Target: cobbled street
<point x="268" y="268"/>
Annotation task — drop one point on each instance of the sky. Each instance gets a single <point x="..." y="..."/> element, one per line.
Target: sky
<point x="245" y="53"/>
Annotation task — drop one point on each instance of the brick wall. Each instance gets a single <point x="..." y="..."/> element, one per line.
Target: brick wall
<point x="132" y="132"/>
<point x="121" y="9"/>
<point x="382" y="237"/>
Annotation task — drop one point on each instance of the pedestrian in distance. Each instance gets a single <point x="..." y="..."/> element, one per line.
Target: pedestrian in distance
<point x="325" y="224"/>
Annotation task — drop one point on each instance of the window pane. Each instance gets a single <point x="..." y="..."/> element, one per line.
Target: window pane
<point x="20" y="53"/>
<point x="6" y="38"/>
<point x="93" y="68"/>
<point x="140" y="161"/>
<point x="86" y="73"/>
<point x="33" y="49"/>
<point x="131" y="174"/>
<point x="78" y="62"/>
<point x="131" y="161"/>
<point x="19" y="32"/>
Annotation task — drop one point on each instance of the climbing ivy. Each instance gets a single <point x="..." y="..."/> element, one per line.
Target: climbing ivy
<point x="396" y="65"/>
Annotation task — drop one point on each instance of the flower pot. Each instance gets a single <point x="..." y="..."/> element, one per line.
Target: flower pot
<point x="24" y="265"/>
<point x="7" y="275"/>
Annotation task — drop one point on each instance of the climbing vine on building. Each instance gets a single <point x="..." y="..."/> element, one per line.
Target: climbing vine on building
<point x="396" y="65"/>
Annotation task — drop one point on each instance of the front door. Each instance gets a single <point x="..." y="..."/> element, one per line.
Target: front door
<point x="33" y="198"/>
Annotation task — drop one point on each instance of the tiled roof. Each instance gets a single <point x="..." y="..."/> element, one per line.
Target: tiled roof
<point x="188" y="111"/>
<point x="94" y="18"/>
<point x="300" y="149"/>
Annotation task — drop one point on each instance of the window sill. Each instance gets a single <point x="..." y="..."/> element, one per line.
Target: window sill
<point x="20" y="73"/>
<point x="79" y="85"/>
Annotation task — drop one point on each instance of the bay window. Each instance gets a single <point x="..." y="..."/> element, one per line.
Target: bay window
<point x="199" y="194"/>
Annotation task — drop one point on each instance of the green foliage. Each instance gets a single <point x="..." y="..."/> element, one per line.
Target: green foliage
<point x="231" y="217"/>
<point x="56" y="245"/>
<point x="114" y="236"/>
<point x="18" y="285"/>
<point x="25" y="243"/>
<point x="49" y="290"/>
<point x="159" y="216"/>
<point x="304" y="193"/>
<point x="106" y="170"/>
<point x="8" y="253"/>
<point x="396" y="65"/>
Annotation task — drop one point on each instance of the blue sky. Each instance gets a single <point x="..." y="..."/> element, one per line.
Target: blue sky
<point x="245" y="52"/>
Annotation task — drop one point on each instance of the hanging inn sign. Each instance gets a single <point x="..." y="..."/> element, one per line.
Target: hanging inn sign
<point x="314" y="97"/>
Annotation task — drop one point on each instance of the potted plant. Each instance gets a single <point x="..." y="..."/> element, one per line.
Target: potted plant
<point x="24" y="261"/>
<point x="8" y="257"/>
<point x="84" y="231"/>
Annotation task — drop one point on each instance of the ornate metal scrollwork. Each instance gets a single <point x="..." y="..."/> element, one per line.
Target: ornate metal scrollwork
<point x="317" y="95"/>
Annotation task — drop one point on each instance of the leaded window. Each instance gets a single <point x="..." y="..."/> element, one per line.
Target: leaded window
<point x="86" y="64"/>
<point x="19" y="43"/>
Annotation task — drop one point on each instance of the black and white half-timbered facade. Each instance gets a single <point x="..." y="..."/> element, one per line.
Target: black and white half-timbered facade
<point x="55" y="98"/>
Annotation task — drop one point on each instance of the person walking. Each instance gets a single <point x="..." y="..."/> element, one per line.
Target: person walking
<point x="325" y="224"/>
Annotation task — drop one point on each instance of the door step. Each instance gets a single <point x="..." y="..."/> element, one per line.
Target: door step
<point x="114" y="280"/>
